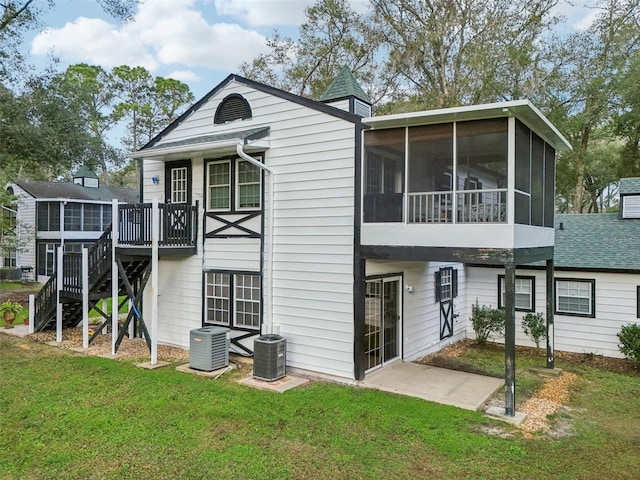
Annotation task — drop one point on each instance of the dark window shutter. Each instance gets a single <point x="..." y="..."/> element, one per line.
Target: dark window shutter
<point x="438" y="285"/>
<point x="454" y="283"/>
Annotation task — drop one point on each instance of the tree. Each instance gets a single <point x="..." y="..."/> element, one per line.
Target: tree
<point x="146" y="103"/>
<point x="333" y="36"/>
<point x="20" y="16"/>
<point x="453" y="53"/>
<point x="91" y="88"/>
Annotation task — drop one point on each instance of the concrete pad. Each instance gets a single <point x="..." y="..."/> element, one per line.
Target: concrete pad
<point x="212" y="374"/>
<point x="148" y="365"/>
<point x="440" y="385"/>
<point x="280" y="386"/>
<point x="16" y="331"/>
<point x="547" y="372"/>
<point x="497" y="413"/>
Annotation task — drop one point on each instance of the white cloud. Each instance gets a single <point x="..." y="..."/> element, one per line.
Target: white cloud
<point x="163" y="32"/>
<point x="185" y="76"/>
<point x="585" y="22"/>
<point x="265" y="12"/>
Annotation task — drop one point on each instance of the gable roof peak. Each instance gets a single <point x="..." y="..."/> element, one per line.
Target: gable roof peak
<point x="344" y="85"/>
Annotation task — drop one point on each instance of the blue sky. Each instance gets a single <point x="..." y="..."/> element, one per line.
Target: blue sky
<point x="196" y="41"/>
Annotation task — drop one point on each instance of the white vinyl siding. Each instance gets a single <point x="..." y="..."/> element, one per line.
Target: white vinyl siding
<point x="312" y="157"/>
<point x="615" y="295"/>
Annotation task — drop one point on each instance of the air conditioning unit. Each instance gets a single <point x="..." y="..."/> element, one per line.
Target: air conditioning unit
<point x="209" y="348"/>
<point x="269" y="357"/>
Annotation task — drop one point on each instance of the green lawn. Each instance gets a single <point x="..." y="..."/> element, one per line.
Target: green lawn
<point x="66" y="415"/>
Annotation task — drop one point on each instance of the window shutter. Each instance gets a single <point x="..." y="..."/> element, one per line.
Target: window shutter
<point x="438" y="285"/>
<point x="454" y="283"/>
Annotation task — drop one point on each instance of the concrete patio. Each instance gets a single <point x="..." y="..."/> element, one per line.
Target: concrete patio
<point x="440" y="385"/>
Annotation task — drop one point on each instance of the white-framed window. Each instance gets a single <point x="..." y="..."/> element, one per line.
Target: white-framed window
<point x="219" y="185"/>
<point x="179" y="185"/>
<point x="248" y="182"/>
<point x="575" y="297"/>
<point x="218" y="298"/>
<point x="233" y="299"/>
<point x="46" y="258"/>
<point x="233" y="185"/>
<point x="524" y="292"/>
<point x="446" y="282"/>
<point x="247" y="301"/>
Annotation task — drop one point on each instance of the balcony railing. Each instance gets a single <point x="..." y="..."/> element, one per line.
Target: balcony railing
<point x="178" y="225"/>
<point x="472" y="206"/>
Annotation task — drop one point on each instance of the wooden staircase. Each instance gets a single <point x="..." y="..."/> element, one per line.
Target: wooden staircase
<point x="178" y="233"/>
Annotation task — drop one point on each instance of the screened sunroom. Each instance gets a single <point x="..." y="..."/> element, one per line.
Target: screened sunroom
<point x="487" y="169"/>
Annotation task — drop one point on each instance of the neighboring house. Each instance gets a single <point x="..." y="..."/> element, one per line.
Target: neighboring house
<point x="73" y="214"/>
<point x="347" y="234"/>
<point x="597" y="278"/>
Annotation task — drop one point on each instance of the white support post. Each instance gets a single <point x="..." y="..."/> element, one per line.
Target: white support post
<point x="85" y="298"/>
<point x="155" y="231"/>
<point x="115" y="220"/>
<point x="59" y="279"/>
<point x="32" y="312"/>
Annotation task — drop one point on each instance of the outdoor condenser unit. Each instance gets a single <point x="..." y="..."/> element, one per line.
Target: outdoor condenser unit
<point x="209" y="348"/>
<point x="269" y="357"/>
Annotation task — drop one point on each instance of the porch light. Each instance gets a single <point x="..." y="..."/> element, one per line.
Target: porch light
<point x="155" y="180"/>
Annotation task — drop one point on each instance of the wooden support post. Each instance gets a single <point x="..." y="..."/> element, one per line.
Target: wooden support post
<point x="59" y="280"/>
<point x="155" y="231"/>
<point x="85" y="298"/>
<point x="32" y="312"/>
<point x="550" y="312"/>
<point x="510" y="340"/>
<point x="115" y="221"/>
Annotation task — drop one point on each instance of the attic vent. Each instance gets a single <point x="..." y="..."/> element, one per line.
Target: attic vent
<point x="362" y="109"/>
<point x="233" y="107"/>
<point x="631" y="206"/>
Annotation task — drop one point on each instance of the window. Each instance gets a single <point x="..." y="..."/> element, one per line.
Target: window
<point x="248" y="185"/>
<point x="446" y="284"/>
<point x="46" y="258"/>
<point x="233" y="299"/>
<point x="247" y="301"/>
<point x="73" y="217"/>
<point x="234" y="185"/>
<point x="218" y="295"/>
<point x="179" y="185"/>
<point x="575" y="297"/>
<point x="48" y="216"/>
<point x="524" y="293"/>
<point x="219" y="185"/>
<point x="91" y="221"/>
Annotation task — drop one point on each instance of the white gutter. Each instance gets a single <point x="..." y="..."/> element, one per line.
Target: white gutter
<point x="268" y="323"/>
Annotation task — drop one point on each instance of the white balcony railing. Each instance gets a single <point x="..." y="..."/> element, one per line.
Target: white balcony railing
<point x="472" y="206"/>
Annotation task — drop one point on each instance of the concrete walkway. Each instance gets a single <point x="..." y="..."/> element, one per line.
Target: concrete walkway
<point x="440" y="385"/>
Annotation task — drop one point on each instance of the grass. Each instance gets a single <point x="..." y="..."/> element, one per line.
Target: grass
<point x="70" y="416"/>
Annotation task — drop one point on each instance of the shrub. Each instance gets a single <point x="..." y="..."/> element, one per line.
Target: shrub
<point x="534" y="327"/>
<point x="629" y="337"/>
<point x="486" y="322"/>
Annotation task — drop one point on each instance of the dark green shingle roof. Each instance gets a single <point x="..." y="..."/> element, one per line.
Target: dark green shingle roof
<point x="629" y="185"/>
<point x="344" y="85"/>
<point x="598" y="241"/>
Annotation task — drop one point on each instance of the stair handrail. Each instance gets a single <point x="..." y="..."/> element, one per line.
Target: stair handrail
<point x="45" y="303"/>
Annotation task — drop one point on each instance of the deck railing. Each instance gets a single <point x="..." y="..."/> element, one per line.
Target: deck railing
<point x="472" y="206"/>
<point x="178" y="225"/>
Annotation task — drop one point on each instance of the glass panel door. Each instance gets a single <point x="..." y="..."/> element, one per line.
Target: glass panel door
<point x="382" y="322"/>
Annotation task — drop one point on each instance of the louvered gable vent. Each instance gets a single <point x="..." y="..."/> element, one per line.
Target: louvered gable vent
<point x="233" y="107"/>
<point x="631" y="206"/>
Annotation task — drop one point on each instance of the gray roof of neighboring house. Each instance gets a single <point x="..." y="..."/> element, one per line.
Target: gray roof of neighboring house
<point x="77" y="192"/>
<point x="601" y="241"/>
<point x="629" y="185"/>
<point x="344" y="85"/>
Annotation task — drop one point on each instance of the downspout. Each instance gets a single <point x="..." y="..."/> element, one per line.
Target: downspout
<point x="268" y="323"/>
